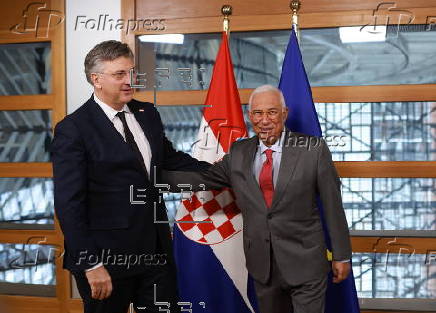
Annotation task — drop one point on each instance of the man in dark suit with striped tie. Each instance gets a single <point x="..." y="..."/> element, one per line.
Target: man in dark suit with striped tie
<point x="103" y="154"/>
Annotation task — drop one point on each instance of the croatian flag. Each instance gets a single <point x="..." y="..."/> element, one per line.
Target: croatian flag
<point x="209" y="254"/>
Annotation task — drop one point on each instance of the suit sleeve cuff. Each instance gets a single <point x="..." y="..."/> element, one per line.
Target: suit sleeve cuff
<point x="94" y="267"/>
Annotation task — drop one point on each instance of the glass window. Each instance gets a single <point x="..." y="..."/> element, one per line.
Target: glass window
<point x="181" y="125"/>
<point x="25" y="136"/>
<point x="390" y="275"/>
<point x="390" y="203"/>
<point x="25" y="268"/>
<point x="26" y="201"/>
<point x="25" y="69"/>
<point x="389" y="131"/>
<point x="405" y="56"/>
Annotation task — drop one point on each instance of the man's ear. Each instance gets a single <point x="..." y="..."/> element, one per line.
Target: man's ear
<point x="285" y="114"/>
<point x="95" y="79"/>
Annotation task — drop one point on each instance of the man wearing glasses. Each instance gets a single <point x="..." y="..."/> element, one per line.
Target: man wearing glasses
<point x="106" y="156"/>
<point x="276" y="177"/>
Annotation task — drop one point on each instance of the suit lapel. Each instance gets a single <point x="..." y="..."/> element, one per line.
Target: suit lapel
<point x="288" y="163"/>
<point x="247" y="169"/>
<point x="102" y="121"/>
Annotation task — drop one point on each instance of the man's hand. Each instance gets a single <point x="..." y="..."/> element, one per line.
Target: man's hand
<point x="100" y="282"/>
<point x="340" y="271"/>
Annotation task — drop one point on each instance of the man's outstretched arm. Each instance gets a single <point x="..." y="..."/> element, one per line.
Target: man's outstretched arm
<point x="216" y="176"/>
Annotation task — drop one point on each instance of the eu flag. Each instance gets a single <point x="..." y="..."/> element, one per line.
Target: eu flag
<point x="342" y="297"/>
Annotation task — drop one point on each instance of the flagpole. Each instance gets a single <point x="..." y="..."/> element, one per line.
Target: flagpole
<point x="295" y="7"/>
<point x="226" y="10"/>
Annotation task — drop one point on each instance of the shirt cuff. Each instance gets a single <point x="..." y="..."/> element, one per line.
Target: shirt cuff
<point x="94" y="267"/>
<point x="344" y="261"/>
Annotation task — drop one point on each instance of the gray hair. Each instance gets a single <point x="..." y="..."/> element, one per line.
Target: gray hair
<point x="266" y="88"/>
<point x="108" y="50"/>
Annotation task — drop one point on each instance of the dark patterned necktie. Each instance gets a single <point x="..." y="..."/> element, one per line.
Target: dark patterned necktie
<point x="131" y="140"/>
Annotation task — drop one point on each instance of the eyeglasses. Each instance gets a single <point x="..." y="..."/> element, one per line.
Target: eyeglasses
<point x="271" y="114"/>
<point x="121" y="74"/>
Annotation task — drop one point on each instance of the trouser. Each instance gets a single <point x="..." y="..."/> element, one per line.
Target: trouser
<point x="138" y="289"/>
<point x="277" y="296"/>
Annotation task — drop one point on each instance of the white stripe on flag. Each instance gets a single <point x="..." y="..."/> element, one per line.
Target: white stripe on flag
<point x="207" y="147"/>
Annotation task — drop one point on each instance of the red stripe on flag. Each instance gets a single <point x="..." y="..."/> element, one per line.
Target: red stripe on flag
<point x="225" y="117"/>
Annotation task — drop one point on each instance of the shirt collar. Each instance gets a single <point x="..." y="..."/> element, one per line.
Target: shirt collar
<point x="108" y="110"/>
<point x="276" y="147"/>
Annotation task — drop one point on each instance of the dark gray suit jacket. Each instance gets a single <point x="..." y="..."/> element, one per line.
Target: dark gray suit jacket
<point x="292" y="226"/>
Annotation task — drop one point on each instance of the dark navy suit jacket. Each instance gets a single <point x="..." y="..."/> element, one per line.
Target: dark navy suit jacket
<point x="94" y="170"/>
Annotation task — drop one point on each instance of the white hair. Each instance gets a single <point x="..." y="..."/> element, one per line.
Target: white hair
<point x="266" y="88"/>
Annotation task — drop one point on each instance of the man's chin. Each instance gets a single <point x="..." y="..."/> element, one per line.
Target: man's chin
<point x="267" y="138"/>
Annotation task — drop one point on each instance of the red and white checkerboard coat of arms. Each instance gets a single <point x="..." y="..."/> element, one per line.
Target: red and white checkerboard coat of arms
<point x="211" y="217"/>
<point x="217" y="215"/>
